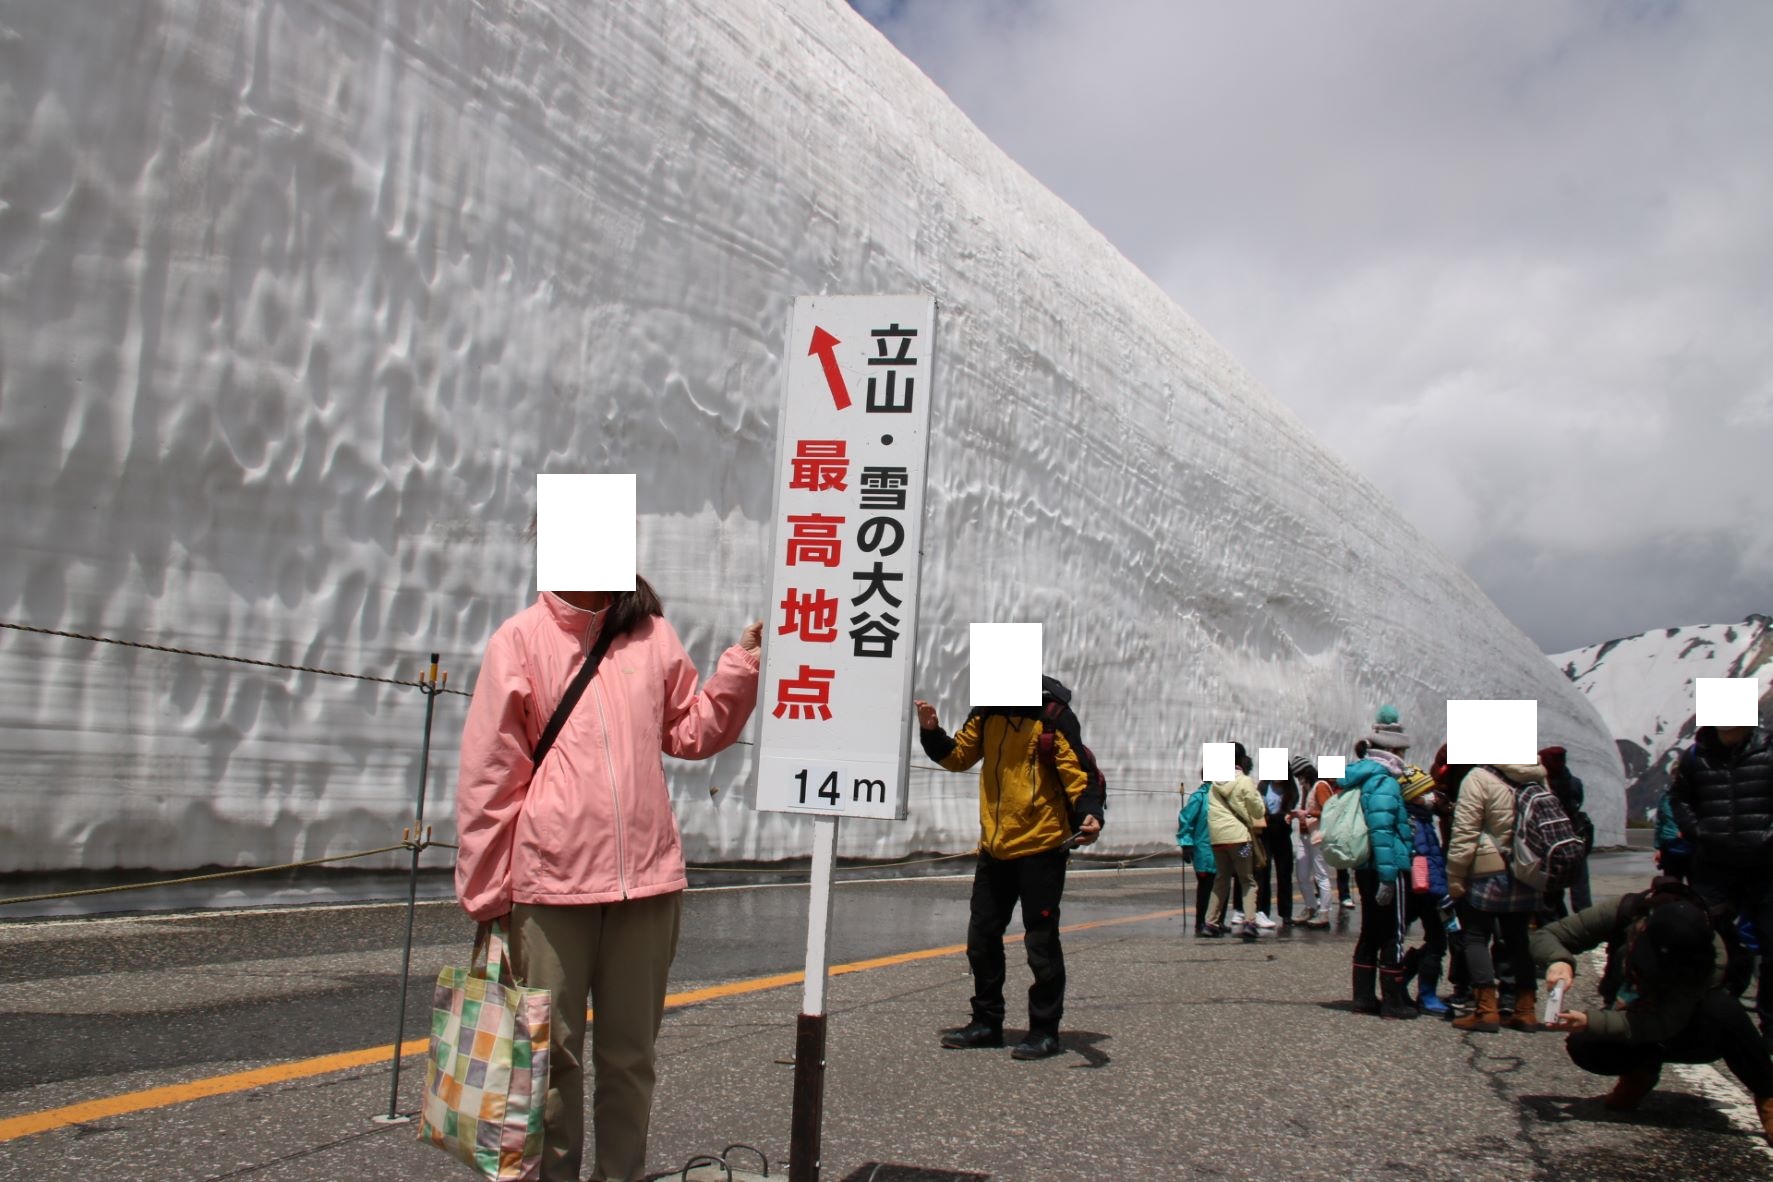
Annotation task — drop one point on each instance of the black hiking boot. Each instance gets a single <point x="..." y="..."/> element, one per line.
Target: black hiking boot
<point x="1038" y="1045"/>
<point x="973" y="1034"/>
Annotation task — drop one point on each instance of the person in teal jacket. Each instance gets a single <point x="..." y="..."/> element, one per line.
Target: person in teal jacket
<point x="1382" y="883"/>
<point x="1197" y="848"/>
<point x="1673" y="855"/>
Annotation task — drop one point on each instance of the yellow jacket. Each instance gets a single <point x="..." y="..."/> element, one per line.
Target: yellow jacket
<point x="1235" y="812"/>
<point x="1023" y="808"/>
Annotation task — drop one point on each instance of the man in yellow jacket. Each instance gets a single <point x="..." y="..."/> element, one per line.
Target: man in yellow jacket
<point x="1026" y="810"/>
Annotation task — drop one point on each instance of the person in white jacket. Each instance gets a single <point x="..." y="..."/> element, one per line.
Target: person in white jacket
<point x="1311" y="871"/>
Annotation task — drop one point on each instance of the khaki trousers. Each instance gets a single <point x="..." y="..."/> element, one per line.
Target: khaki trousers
<point x="617" y="955"/>
<point x="1243" y="870"/>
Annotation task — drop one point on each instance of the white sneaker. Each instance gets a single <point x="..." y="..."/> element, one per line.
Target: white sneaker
<point x="1262" y="920"/>
<point x="1348" y="904"/>
<point x="1237" y="917"/>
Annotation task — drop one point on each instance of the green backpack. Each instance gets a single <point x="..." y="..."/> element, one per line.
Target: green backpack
<point x="1344" y="831"/>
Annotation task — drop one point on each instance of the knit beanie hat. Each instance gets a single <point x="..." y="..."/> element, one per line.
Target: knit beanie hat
<point x="1387" y="731"/>
<point x="1415" y="782"/>
<point x="1552" y="760"/>
<point x="1300" y="766"/>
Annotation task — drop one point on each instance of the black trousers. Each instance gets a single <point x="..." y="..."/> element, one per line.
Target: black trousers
<point x="1036" y="882"/>
<point x="1730" y="894"/>
<point x="1278" y="840"/>
<point x="1426" y="909"/>
<point x="1381" y="942"/>
<point x="1720" y="1029"/>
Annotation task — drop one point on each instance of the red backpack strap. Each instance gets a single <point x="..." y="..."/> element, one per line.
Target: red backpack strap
<point x="1049" y="726"/>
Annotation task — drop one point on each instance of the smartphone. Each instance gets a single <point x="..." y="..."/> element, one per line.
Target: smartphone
<point x="1554" y="1004"/>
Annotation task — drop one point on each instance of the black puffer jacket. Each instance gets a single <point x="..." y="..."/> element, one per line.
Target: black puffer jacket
<point x="1722" y="799"/>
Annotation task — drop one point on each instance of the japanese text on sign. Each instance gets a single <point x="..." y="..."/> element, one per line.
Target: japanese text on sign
<point x="848" y="523"/>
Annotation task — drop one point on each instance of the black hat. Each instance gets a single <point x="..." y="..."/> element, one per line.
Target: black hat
<point x="1675" y="945"/>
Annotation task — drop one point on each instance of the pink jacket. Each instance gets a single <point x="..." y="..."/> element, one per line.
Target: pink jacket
<point x="595" y="826"/>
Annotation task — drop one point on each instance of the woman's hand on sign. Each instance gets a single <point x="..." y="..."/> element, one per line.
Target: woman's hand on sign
<point x="751" y="640"/>
<point x="926" y="715"/>
<point x="1570" y="1021"/>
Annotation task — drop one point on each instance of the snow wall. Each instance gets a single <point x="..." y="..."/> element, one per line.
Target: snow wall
<point x="296" y="297"/>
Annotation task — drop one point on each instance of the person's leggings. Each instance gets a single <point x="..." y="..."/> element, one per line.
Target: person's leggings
<point x="1479" y="927"/>
<point x="1423" y="907"/>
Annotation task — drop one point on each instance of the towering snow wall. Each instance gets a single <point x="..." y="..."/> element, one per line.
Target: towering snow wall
<point x="296" y="298"/>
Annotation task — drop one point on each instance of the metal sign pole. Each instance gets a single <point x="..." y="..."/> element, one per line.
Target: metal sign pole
<point x="809" y="1037"/>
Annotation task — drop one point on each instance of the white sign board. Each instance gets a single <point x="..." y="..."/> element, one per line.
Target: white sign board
<point x="853" y="445"/>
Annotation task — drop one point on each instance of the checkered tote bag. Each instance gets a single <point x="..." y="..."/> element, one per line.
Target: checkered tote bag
<point x="487" y="1078"/>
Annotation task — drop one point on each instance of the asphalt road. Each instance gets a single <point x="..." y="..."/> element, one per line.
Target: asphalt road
<point x="1185" y="1058"/>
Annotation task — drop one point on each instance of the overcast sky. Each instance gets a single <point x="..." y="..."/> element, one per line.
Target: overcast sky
<point x="1514" y="262"/>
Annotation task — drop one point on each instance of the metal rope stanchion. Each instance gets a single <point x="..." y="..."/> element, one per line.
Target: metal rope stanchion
<point x="420" y="837"/>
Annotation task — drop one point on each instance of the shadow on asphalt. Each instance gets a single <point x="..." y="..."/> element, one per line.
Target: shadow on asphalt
<point x="874" y="1171"/>
<point x="1664" y="1110"/>
<point x="1088" y="1044"/>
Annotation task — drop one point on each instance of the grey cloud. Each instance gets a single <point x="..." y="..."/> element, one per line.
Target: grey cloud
<point x="1511" y="264"/>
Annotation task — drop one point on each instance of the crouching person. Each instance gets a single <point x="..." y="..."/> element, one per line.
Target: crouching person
<point x="1661" y="994"/>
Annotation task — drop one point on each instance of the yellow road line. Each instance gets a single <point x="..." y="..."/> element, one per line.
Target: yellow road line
<point x="50" y="1119"/>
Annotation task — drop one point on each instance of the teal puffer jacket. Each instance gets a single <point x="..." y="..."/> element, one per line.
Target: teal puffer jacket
<point x="1388" y="822"/>
<point x="1192" y="832"/>
<point x="1668" y="834"/>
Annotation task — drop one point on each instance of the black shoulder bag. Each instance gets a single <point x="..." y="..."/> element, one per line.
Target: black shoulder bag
<point x="574" y="692"/>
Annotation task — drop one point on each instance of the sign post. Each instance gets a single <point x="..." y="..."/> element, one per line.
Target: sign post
<point x="851" y="455"/>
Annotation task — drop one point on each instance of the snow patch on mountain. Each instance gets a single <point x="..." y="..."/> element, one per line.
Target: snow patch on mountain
<point x="1643" y="688"/>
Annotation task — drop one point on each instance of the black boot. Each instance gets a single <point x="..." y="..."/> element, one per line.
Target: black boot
<point x="1397" y="995"/>
<point x="1040" y="1044"/>
<point x="1366" y="976"/>
<point x="973" y="1034"/>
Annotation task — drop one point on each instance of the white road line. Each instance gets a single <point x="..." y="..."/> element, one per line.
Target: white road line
<point x="1724" y="1091"/>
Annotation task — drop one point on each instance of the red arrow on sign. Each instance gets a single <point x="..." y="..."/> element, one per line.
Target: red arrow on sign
<point x="825" y="346"/>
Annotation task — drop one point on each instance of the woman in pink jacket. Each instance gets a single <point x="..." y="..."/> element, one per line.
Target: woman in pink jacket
<point x="581" y="854"/>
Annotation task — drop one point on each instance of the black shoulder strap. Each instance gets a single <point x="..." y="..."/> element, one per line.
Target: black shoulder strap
<point x="574" y="692"/>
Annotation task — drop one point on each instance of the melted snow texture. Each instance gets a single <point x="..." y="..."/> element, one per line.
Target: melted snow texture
<point x="1643" y="687"/>
<point x="295" y="299"/>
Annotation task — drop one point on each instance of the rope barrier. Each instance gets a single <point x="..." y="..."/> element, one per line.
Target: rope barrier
<point x="425" y="845"/>
<point x="191" y="652"/>
<point x="142" y="886"/>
